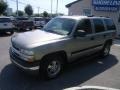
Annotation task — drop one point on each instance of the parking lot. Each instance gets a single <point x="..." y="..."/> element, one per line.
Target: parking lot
<point x="100" y="72"/>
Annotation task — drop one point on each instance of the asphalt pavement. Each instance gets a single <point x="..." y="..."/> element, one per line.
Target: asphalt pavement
<point x="99" y="72"/>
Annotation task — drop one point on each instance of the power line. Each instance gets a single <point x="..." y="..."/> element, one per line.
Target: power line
<point x="32" y="5"/>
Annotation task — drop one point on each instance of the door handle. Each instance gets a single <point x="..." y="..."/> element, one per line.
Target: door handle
<point x="92" y="38"/>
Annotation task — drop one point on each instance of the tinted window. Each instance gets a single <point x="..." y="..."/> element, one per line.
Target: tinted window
<point x="110" y="25"/>
<point x="5" y="20"/>
<point x="99" y="26"/>
<point x="85" y="25"/>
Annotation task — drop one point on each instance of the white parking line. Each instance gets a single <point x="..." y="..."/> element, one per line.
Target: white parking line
<point x="90" y="88"/>
<point x="117" y="45"/>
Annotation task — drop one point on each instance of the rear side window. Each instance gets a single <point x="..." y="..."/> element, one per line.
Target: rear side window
<point x="110" y="24"/>
<point x="99" y="26"/>
<point x="2" y="20"/>
<point x="85" y="25"/>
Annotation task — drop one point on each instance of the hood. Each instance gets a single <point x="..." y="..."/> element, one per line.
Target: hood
<point x="32" y="37"/>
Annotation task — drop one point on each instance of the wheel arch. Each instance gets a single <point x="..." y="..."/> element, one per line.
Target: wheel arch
<point x="110" y="41"/>
<point x="62" y="53"/>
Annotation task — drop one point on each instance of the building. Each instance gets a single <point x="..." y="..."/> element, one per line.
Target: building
<point x="9" y="11"/>
<point x="107" y="8"/>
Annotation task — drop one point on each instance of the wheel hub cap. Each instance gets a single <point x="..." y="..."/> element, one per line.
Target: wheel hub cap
<point x="53" y="68"/>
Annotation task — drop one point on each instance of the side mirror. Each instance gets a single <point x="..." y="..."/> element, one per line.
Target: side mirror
<point x="80" y="33"/>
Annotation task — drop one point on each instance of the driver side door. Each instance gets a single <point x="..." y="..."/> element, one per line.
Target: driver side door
<point x="83" y="45"/>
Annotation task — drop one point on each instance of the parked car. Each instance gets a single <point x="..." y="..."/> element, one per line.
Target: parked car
<point x="62" y="40"/>
<point x="6" y="25"/>
<point x="24" y="23"/>
<point x="38" y="22"/>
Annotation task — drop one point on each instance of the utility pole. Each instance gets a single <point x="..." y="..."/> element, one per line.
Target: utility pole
<point x="51" y="7"/>
<point x="38" y="11"/>
<point x="7" y="8"/>
<point x="17" y="7"/>
<point x="57" y="8"/>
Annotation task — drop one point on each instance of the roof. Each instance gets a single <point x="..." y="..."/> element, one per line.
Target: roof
<point x="73" y="17"/>
<point x="81" y="17"/>
<point x="68" y="5"/>
<point x="4" y="17"/>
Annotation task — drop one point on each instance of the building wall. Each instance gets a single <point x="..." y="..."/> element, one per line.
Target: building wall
<point x="77" y="9"/>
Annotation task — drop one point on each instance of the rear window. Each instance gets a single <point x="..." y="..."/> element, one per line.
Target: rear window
<point x="5" y="20"/>
<point x="110" y="24"/>
<point x="21" y="18"/>
<point x="39" y="19"/>
<point x="99" y="26"/>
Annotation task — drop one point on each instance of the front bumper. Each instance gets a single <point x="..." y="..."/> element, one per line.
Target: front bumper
<point x="32" y="68"/>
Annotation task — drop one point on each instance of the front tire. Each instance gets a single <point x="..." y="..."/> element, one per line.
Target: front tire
<point x="51" y="66"/>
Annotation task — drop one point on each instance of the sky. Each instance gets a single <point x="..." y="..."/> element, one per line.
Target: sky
<point x="45" y="5"/>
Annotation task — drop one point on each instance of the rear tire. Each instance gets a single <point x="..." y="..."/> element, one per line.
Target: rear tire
<point x="51" y="66"/>
<point x="106" y="50"/>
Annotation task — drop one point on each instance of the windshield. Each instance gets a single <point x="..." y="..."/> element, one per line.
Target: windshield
<point x="61" y="26"/>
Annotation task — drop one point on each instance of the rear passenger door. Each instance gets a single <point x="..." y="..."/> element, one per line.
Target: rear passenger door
<point x="99" y="32"/>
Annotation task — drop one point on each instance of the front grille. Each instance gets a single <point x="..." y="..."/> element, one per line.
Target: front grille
<point x="15" y="46"/>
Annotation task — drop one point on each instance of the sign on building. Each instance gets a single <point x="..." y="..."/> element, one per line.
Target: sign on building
<point x="106" y="5"/>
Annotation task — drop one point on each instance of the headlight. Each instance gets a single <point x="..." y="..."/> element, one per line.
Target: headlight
<point x="27" y="52"/>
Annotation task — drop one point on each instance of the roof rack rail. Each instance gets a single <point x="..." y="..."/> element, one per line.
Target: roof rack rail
<point x="91" y="16"/>
<point x="105" y="16"/>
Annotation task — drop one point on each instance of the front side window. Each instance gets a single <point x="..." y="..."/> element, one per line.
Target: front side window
<point x="99" y="26"/>
<point x="61" y="26"/>
<point x="110" y="25"/>
<point x="85" y="25"/>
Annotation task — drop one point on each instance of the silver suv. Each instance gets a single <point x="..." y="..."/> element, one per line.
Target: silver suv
<point x="61" y="41"/>
<point x="6" y="25"/>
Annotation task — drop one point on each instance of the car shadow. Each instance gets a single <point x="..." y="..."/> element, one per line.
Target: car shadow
<point x="11" y="78"/>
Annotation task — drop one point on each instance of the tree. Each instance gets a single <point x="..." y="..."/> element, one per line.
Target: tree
<point x="45" y="14"/>
<point x="28" y="10"/>
<point x="3" y="7"/>
<point x="20" y="13"/>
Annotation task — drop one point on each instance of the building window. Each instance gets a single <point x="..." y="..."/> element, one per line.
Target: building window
<point x="87" y="12"/>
